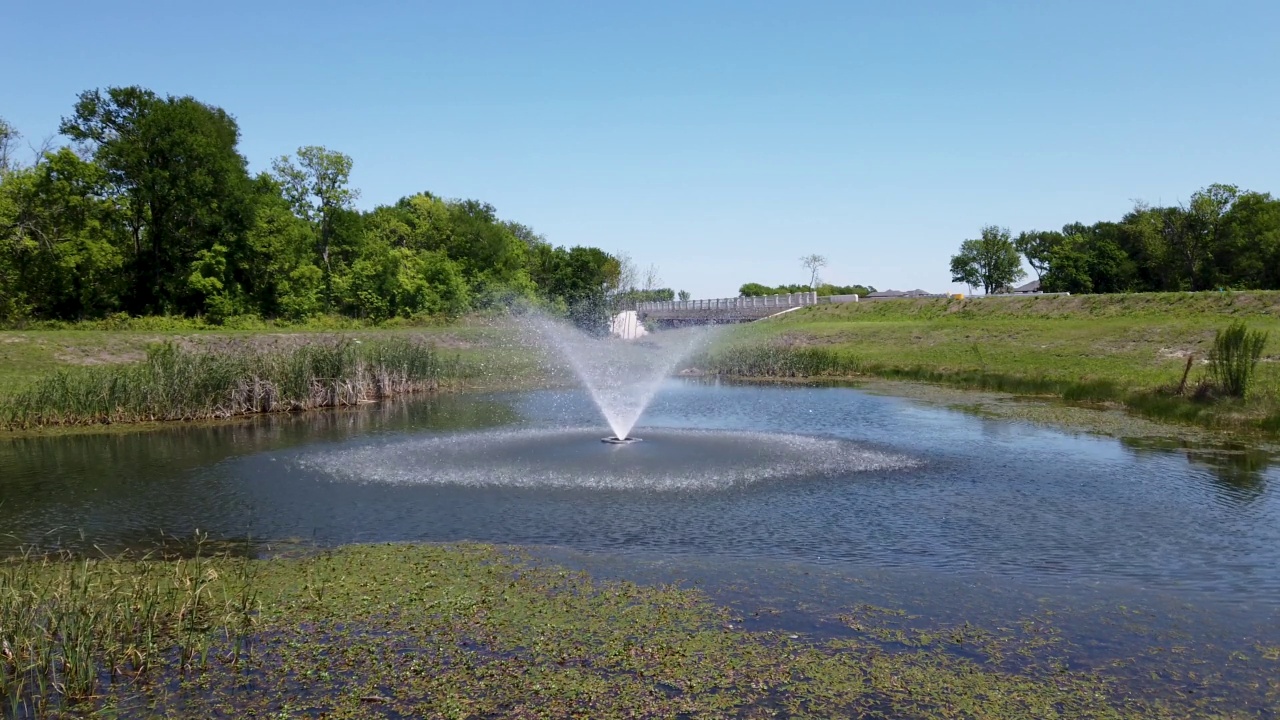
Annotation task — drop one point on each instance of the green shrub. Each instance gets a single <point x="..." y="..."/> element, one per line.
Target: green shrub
<point x="1235" y="355"/>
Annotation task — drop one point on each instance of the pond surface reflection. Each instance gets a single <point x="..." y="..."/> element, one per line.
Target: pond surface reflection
<point x="824" y="475"/>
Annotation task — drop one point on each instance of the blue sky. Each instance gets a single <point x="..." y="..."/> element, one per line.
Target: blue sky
<point x="719" y="141"/>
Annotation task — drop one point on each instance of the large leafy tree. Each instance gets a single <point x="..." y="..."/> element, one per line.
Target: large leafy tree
<point x="58" y="239"/>
<point x="577" y="279"/>
<point x="1036" y="246"/>
<point x="1247" y="251"/>
<point x="991" y="261"/>
<point x="173" y="166"/>
<point x="317" y="184"/>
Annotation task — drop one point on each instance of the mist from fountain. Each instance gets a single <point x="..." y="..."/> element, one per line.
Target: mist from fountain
<point x="621" y="375"/>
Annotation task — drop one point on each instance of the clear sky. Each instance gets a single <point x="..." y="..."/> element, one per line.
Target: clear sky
<point x="717" y="140"/>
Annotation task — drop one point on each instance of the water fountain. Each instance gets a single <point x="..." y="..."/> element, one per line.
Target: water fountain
<point x="561" y="448"/>
<point x="622" y="375"/>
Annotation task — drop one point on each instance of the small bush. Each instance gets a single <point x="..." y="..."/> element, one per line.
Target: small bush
<point x="1234" y="358"/>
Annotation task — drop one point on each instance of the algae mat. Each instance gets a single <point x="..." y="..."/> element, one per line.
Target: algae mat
<point x="473" y="631"/>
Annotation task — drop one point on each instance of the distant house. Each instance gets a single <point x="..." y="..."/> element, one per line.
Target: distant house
<point x="883" y="294"/>
<point x="1031" y="288"/>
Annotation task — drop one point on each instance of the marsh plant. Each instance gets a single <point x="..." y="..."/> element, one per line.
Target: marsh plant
<point x="778" y="361"/>
<point x="73" y="629"/>
<point x="483" y="632"/>
<point x="175" y="383"/>
<point x="1234" y="358"/>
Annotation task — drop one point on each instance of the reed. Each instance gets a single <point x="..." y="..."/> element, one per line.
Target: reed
<point x="774" y="361"/>
<point x="174" y="383"/>
<point x="74" y="629"/>
<point x="1234" y="358"/>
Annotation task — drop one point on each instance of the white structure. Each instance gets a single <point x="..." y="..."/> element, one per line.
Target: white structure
<point x="736" y="309"/>
<point x="627" y="325"/>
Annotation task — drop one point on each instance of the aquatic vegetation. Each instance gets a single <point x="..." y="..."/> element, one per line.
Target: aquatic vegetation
<point x="174" y="383"/>
<point x="478" y="631"/>
<point x="1234" y="358"/>
<point x="71" y="627"/>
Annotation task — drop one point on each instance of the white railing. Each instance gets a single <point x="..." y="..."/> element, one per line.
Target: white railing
<point x="782" y="302"/>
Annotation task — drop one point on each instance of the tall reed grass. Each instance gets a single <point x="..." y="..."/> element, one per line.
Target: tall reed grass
<point x="1234" y="358"/>
<point x="182" y="384"/>
<point x="75" y="629"/>
<point x="780" y="361"/>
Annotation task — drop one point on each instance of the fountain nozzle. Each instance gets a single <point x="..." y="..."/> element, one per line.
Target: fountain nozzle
<point x="615" y="440"/>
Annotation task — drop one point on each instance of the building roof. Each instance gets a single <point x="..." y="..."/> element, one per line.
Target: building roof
<point x="900" y="293"/>
<point x="1031" y="287"/>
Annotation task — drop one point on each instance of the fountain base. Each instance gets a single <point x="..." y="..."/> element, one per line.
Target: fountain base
<point x="615" y="440"/>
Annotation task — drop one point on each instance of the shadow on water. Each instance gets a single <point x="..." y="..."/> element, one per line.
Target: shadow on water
<point x="1238" y="471"/>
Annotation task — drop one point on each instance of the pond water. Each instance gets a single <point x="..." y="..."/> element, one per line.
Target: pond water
<point x="823" y="495"/>
<point x="829" y="475"/>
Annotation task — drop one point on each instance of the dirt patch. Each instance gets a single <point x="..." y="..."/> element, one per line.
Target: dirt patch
<point x="98" y="356"/>
<point x="803" y="339"/>
<point x="274" y="342"/>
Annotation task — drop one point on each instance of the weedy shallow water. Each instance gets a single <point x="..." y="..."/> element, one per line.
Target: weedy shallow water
<point x="480" y="631"/>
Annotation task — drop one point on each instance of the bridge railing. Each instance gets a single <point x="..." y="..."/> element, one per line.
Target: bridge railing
<point x="782" y="302"/>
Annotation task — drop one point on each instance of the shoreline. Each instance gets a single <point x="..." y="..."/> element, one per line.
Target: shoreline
<point x="1110" y="420"/>
<point x="475" y="630"/>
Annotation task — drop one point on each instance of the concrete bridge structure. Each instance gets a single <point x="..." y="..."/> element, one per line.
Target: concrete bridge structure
<point x="730" y="310"/>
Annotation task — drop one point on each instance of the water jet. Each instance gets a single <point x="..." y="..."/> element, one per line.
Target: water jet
<point x="621" y="376"/>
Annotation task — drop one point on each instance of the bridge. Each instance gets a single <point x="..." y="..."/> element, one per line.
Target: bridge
<point x="730" y="310"/>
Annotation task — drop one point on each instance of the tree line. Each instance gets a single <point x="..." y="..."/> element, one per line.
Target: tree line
<point x="150" y="210"/>
<point x="1223" y="238"/>
<point x="753" y="289"/>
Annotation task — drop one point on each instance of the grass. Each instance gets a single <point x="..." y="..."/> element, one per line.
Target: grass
<point x="69" y="627"/>
<point x="1129" y="350"/>
<point x="183" y="384"/>
<point x="87" y="378"/>
<point x="473" y="631"/>
<point x="28" y="355"/>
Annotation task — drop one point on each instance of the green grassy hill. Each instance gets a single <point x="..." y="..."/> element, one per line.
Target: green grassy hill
<point x="1130" y="348"/>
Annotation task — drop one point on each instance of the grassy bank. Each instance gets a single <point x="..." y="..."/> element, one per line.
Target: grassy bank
<point x="30" y="354"/>
<point x="174" y="383"/>
<point x="1126" y="350"/>
<point x="81" y="378"/>
<point x="474" y="631"/>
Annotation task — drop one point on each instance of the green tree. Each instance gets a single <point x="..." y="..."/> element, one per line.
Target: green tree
<point x="859" y="290"/>
<point x="577" y="279"/>
<point x="1036" y="246"/>
<point x="317" y="186"/>
<point x="280" y="273"/>
<point x="1247" y="254"/>
<point x="173" y="166"/>
<point x="990" y="262"/>
<point x="58" y="240"/>
<point x="752" y="289"/>
<point x="490" y="256"/>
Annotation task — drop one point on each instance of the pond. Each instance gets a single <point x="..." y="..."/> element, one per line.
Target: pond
<point x="805" y="498"/>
